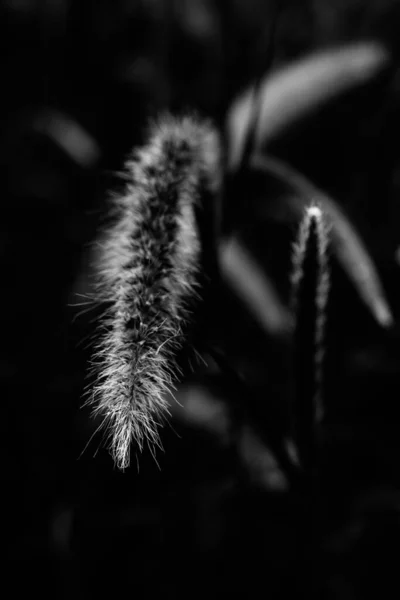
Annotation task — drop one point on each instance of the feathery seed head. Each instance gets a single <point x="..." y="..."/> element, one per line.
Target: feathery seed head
<point x="148" y="272"/>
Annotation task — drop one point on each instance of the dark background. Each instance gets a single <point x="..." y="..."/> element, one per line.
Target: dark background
<point x="79" y="80"/>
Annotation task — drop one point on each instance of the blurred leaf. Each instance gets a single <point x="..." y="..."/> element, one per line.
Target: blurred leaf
<point x="261" y="465"/>
<point x="298" y="89"/>
<point x="199" y="406"/>
<point x="69" y="135"/>
<point x="61" y="528"/>
<point x="253" y="287"/>
<point x="346" y="243"/>
<point x="203" y="408"/>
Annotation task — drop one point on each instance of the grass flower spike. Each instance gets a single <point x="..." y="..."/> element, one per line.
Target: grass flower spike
<point x="310" y="281"/>
<point x="149" y="268"/>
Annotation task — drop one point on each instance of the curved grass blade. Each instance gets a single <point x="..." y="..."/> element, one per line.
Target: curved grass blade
<point x="298" y="89"/>
<point x="346" y="243"/>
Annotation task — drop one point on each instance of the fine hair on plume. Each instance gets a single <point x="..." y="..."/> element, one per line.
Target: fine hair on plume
<point x="149" y="270"/>
<point x="310" y="289"/>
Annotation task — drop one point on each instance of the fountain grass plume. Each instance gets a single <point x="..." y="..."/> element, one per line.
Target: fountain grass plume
<point x="149" y="270"/>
